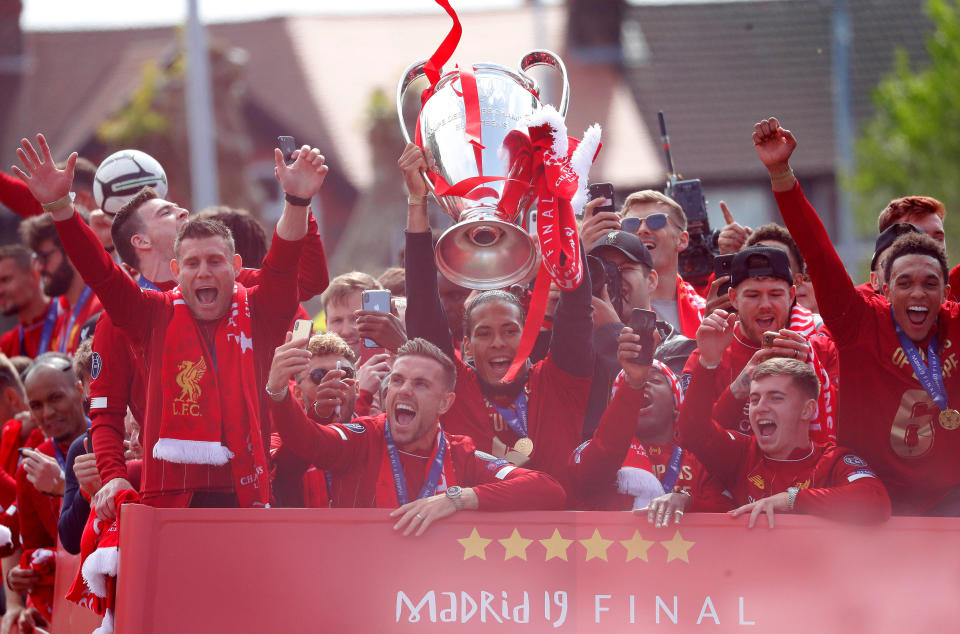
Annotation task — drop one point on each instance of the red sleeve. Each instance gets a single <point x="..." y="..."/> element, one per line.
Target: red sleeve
<point x="38" y="514"/>
<point x="841" y="306"/>
<point x="708" y="493"/>
<point x="122" y="298"/>
<point x="16" y="196"/>
<point x="602" y="457"/>
<point x="276" y="293"/>
<point x="332" y="447"/>
<point x="954" y="281"/>
<point x="312" y="276"/>
<point x="500" y="486"/>
<point x="853" y="492"/>
<point x="109" y="395"/>
<point x="8" y="489"/>
<point x="364" y="403"/>
<point x="728" y="410"/>
<point x="720" y="451"/>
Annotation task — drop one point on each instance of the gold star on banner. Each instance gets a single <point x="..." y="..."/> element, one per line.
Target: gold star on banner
<point x="636" y="546"/>
<point x="677" y="548"/>
<point x="596" y="546"/>
<point x="515" y="545"/>
<point x="474" y="545"/>
<point x="556" y="546"/>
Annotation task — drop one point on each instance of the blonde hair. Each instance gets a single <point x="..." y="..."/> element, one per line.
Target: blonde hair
<point x="330" y="343"/>
<point x="653" y="196"/>
<point x="344" y="285"/>
<point x="802" y="375"/>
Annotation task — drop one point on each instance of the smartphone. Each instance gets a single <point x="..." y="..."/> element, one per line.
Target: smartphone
<point x="287" y="146"/>
<point x="377" y="301"/>
<point x="643" y="322"/>
<point x="721" y="267"/>
<point x="602" y="190"/>
<point x="768" y="338"/>
<point x="302" y="329"/>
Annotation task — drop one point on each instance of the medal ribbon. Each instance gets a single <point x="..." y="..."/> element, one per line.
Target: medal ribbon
<point x="673" y="470"/>
<point x="516" y="417"/>
<point x="146" y="284"/>
<point x="929" y="374"/>
<point x="433" y="476"/>
<point x="48" y="323"/>
<point x="81" y="302"/>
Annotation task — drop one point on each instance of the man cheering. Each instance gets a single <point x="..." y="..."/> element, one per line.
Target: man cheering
<point x="206" y="344"/>
<point x="404" y="457"/>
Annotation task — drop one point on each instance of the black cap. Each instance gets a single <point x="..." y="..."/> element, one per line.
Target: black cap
<point x="626" y="243"/>
<point x="888" y="236"/>
<point x="760" y="262"/>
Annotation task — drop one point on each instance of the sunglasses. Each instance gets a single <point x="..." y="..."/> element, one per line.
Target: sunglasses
<point x="654" y="222"/>
<point x="317" y="374"/>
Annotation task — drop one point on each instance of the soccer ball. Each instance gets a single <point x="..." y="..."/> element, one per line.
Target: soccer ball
<point x="122" y="175"/>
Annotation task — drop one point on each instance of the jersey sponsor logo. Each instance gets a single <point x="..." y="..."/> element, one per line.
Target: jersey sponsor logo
<point x="356" y="428"/>
<point x="854" y="461"/>
<point x="96" y="364"/>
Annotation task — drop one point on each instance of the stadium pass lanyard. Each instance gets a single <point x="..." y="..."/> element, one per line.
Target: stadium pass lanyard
<point x="516" y="417"/>
<point x="433" y="477"/>
<point x="673" y="470"/>
<point x="929" y="374"/>
<point x="81" y="302"/>
<point x="48" y="323"/>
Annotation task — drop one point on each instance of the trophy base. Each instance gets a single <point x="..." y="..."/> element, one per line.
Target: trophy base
<point x="485" y="252"/>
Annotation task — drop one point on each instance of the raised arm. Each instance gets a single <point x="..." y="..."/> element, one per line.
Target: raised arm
<point x="425" y="316"/>
<point x="840" y="305"/>
<point x="571" y="342"/>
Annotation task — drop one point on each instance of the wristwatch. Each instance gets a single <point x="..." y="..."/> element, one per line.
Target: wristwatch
<point x="792" y="497"/>
<point x="454" y="494"/>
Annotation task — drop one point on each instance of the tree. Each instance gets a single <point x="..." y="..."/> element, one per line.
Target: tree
<point x="912" y="144"/>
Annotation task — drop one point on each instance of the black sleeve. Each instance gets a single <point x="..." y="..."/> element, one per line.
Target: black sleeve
<point x="571" y="345"/>
<point x="425" y="317"/>
<point x="76" y="509"/>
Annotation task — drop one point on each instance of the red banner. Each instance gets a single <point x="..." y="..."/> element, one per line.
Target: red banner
<point x="198" y="570"/>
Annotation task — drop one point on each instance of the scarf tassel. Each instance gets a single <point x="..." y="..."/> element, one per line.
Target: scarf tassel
<point x="101" y="563"/>
<point x="191" y="451"/>
<point x="641" y="484"/>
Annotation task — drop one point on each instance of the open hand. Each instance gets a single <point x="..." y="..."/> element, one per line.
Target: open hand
<point x="768" y="505"/>
<point x="40" y="173"/>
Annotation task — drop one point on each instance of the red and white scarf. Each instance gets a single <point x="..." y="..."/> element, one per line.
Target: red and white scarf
<point x="386" y="488"/>
<point x="211" y="413"/>
<point x="802" y="320"/>
<point x="636" y="476"/>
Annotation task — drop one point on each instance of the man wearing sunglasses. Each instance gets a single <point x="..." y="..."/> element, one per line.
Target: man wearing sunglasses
<point x="662" y="226"/>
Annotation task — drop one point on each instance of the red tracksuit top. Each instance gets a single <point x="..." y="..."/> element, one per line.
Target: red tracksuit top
<point x="833" y="481"/>
<point x="592" y="477"/>
<point x="144" y="316"/>
<point x="353" y="453"/>
<point x="10" y="342"/>
<point x="886" y="415"/>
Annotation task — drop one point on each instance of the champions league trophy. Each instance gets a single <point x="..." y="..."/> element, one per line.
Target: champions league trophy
<point x="471" y="123"/>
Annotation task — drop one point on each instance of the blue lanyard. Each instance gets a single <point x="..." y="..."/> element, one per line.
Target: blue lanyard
<point x="48" y="323"/>
<point x="673" y="470"/>
<point x="929" y="374"/>
<point x="146" y="284"/>
<point x="81" y="302"/>
<point x="433" y="477"/>
<point x="516" y="417"/>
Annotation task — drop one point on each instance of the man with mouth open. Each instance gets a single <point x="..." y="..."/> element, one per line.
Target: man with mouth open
<point x="762" y="292"/>
<point x="779" y="468"/>
<point x="898" y="364"/>
<point x="207" y="344"/>
<point x="403" y="459"/>
<point x="537" y="419"/>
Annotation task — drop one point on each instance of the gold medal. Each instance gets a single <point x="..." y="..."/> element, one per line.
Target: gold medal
<point x="950" y="419"/>
<point x="524" y="446"/>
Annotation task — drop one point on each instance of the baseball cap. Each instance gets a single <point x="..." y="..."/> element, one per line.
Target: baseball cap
<point x="888" y="236"/>
<point x="760" y="261"/>
<point x="626" y="243"/>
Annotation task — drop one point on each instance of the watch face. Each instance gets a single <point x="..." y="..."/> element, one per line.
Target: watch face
<point x="453" y="491"/>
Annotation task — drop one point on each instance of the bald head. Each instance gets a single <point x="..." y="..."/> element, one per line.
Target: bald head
<point x="55" y="398"/>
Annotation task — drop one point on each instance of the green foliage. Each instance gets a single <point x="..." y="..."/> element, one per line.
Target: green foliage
<point x="912" y="144"/>
<point x="138" y="119"/>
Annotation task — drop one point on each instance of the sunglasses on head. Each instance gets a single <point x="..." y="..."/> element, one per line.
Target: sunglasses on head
<point x="654" y="222"/>
<point x="317" y="374"/>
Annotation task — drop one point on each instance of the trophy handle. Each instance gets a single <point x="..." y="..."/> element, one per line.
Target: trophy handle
<point x="413" y="72"/>
<point x="544" y="57"/>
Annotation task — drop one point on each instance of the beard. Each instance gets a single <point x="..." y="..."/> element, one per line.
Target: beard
<point x="60" y="280"/>
<point x="507" y="390"/>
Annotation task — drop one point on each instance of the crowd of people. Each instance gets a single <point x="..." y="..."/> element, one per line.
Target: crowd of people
<point x="155" y="361"/>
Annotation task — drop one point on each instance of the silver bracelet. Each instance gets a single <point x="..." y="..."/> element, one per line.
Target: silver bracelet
<point x="277" y="396"/>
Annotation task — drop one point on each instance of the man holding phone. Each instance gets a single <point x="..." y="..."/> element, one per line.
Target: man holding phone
<point x="763" y="294"/>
